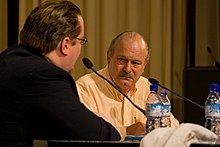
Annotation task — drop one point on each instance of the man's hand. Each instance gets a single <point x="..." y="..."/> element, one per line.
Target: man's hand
<point x="136" y="129"/>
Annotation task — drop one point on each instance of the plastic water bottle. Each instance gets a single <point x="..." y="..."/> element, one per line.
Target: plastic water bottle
<point x="212" y="109"/>
<point x="166" y="109"/>
<point x="153" y="109"/>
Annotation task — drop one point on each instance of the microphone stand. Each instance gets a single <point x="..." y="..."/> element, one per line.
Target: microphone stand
<point x="184" y="98"/>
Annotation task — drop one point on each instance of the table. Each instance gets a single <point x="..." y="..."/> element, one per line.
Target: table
<point x="204" y="145"/>
<point x="75" y="143"/>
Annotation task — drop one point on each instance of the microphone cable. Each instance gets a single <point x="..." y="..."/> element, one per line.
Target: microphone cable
<point x="154" y="81"/>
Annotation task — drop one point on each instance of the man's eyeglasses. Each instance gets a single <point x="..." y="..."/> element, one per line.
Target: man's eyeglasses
<point x="82" y="40"/>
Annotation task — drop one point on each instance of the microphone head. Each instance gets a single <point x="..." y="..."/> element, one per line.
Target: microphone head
<point x="87" y="63"/>
<point x="153" y="81"/>
<point x="209" y="50"/>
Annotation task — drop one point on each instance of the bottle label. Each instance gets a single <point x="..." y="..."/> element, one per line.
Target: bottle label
<point x="166" y="109"/>
<point x="153" y="110"/>
<point x="212" y="110"/>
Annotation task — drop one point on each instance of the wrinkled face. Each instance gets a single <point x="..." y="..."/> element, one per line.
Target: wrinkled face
<point x="128" y="62"/>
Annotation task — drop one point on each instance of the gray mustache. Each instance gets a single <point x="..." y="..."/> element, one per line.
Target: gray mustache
<point x="126" y="75"/>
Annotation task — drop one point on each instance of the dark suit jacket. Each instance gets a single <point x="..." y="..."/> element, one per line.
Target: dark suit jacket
<point x="38" y="100"/>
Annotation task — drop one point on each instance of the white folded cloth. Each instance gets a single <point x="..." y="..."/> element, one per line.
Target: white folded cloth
<point x="182" y="136"/>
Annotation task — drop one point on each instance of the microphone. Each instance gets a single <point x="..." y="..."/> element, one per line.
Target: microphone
<point x="154" y="81"/>
<point x="89" y="65"/>
<point x="217" y="64"/>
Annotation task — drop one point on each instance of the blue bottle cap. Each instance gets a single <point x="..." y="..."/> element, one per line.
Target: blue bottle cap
<point x="219" y="88"/>
<point x="153" y="87"/>
<point x="163" y="92"/>
<point x="213" y="87"/>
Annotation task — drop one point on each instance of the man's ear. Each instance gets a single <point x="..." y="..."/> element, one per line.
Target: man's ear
<point x="64" y="46"/>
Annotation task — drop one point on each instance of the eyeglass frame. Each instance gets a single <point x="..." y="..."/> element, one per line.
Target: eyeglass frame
<point x="83" y="41"/>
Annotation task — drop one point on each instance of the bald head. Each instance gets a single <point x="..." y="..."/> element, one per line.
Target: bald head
<point x="124" y="36"/>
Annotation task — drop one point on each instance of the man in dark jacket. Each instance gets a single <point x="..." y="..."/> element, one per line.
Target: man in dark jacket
<point x="38" y="96"/>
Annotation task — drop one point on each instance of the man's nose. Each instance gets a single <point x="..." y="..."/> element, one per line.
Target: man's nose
<point x="128" y="67"/>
